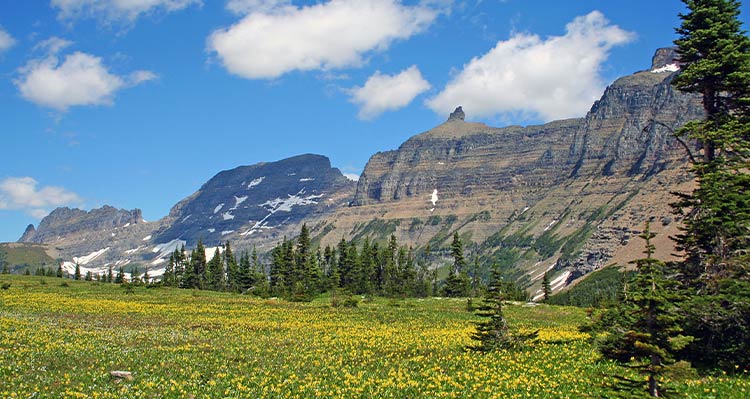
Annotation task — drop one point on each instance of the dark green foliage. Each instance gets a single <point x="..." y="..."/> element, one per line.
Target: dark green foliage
<point x="88" y="276"/>
<point x="599" y="289"/>
<point x="715" y="57"/>
<point x="546" y="289"/>
<point x="77" y="275"/>
<point x="493" y="333"/>
<point x="457" y="284"/>
<point x="644" y="331"/>
<point x="120" y="278"/>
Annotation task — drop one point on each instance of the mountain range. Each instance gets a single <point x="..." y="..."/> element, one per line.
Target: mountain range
<point x="567" y="197"/>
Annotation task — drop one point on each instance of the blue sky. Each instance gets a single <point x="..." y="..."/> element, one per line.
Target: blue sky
<point x="137" y="103"/>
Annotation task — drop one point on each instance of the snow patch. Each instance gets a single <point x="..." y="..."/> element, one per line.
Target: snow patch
<point x="227" y="215"/>
<point x="434" y="197"/>
<point x="112" y="234"/>
<point x="167" y="248"/>
<point x="84" y="260"/>
<point x="256" y="182"/>
<point x="441" y="163"/>
<point x="186" y="218"/>
<point x="238" y="201"/>
<point x="307" y="179"/>
<point x="559" y="282"/>
<point x="524" y="210"/>
<point x="351" y="176"/>
<point x="210" y="252"/>
<point x="218" y="208"/>
<point x="146" y="238"/>
<point x="211" y="230"/>
<point x="158" y="261"/>
<point x="225" y="232"/>
<point x="126" y="225"/>
<point x="666" y="68"/>
<point x="280" y="204"/>
<point x="132" y="251"/>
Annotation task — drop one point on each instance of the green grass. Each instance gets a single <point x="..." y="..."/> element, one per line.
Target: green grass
<point x="62" y="341"/>
<point x="20" y="257"/>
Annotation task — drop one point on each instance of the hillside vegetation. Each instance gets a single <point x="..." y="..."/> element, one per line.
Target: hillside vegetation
<point x="61" y="338"/>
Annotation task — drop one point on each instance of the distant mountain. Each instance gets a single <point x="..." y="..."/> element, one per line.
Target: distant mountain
<point x="567" y="197"/>
<point x="251" y="199"/>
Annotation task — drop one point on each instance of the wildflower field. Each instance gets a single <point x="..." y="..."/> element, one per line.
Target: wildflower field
<point x="59" y="341"/>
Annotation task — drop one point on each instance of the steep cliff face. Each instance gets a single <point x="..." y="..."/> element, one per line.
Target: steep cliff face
<point x="249" y="200"/>
<point x="566" y="196"/>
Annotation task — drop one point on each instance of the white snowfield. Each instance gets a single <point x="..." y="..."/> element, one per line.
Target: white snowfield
<point x="218" y="208"/>
<point x="227" y="215"/>
<point x="256" y="182"/>
<point x="85" y="260"/>
<point x="284" y="205"/>
<point x="667" y="68"/>
<point x="238" y="201"/>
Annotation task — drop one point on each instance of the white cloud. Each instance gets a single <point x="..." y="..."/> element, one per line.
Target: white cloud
<point x="244" y="7"/>
<point x="22" y="193"/>
<point x="81" y="79"/>
<point x="558" y="77"/>
<point x="388" y="92"/>
<point x="332" y="35"/>
<point x="6" y="40"/>
<point x="117" y="10"/>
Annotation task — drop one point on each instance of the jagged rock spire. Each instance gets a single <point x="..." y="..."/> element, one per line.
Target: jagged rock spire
<point x="456" y="115"/>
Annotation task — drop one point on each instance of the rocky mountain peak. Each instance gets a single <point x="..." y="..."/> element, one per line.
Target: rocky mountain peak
<point x="663" y="57"/>
<point x="28" y="234"/>
<point x="457" y="115"/>
<point x="65" y="221"/>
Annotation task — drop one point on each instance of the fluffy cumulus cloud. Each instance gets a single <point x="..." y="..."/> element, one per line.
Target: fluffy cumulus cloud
<point x="23" y="193"/>
<point x="116" y="10"/>
<point x="552" y="78"/>
<point x="76" y="79"/>
<point x="388" y="92"/>
<point x="6" y="40"/>
<point x="331" y="35"/>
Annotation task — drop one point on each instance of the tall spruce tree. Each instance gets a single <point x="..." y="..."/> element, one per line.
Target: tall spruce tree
<point x="457" y="283"/>
<point x="645" y="329"/>
<point x="77" y="274"/>
<point x="714" y="54"/>
<point x="546" y="288"/>
<point x="216" y="279"/>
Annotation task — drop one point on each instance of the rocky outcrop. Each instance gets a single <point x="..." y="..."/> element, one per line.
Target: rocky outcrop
<point x="28" y="234"/>
<point x="64" y="222"/>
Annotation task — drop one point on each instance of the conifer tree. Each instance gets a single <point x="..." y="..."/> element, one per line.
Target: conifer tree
<point x="457" y="283"/>
<point x="77" y="274"/>
<point x="714" y="54"/>
<point x="146" y="277"/>
<point x="233" y="269"/>
<point x="546" y="289"/>
<point x="196" y="270"/>
<point x="715" y="63"/>
<point x="215" y="272"/>
<point x="492" y="332"/>
<point x="89" y="276"/>
<point x="59" y="273"/>
<point x="134" y="275"/>
<point x="645" y="329"/>
<point x="168" y="278"/>
<point x="109" y="275"/>
<point x="120" y="278"/>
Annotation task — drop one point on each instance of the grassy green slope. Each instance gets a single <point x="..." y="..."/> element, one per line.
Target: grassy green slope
<point x="62" y="340"/>
<point x="20" y="257"/>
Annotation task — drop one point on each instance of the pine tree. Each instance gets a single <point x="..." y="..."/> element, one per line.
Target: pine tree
<point x="77" y="275"/>
<point x="714" y="53"/>
<point x="546" y="289"/>
<point x="196" y="269"/>
<point x="135" y="275"/>
<point x="89" y="276"/>
<point x="146" y="277"/>
<point x="109" y="275"/>
<point x="120" y="278"/>
<point x="645" y="329"/>
<point x="457" y="283"/>
<point x="233" y="269"/>
<point x="168" y="278"/>
<point x="493" y="333"/>
<point x="59" y="273"/>
<point x="215" y="272"/>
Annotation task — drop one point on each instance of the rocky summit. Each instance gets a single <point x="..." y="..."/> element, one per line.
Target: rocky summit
<point x="565" y="197"/>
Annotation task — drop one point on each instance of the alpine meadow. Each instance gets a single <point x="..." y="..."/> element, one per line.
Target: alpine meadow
<point x="596" y="246"/>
